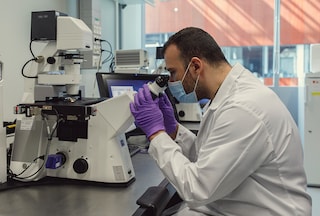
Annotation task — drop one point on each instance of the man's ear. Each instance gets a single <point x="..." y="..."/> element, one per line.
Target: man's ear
<point x="197" y="64"/>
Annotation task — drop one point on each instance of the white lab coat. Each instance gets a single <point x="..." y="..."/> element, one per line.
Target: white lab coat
<point x="247" y="158"/>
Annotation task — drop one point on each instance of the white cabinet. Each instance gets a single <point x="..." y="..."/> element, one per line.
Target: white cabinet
<point x="312" y="129"/>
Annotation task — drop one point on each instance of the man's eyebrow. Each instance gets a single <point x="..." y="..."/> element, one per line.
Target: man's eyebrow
<point x="169" y="69"/>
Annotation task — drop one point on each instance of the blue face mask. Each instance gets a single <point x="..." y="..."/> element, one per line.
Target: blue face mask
<point x="177" y="90"/>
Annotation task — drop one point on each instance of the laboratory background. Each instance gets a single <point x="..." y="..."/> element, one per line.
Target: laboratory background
<point x="278" y="40"/>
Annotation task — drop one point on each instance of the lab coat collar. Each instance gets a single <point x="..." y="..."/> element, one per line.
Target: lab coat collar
<point x="225" y="87"/>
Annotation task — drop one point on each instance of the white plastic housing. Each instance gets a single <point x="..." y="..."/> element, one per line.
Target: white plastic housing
<point x="189" y="112"/>
<point x="315" y="58"/>
<point x="73" y="34"/>
<point x="3" y="143"/>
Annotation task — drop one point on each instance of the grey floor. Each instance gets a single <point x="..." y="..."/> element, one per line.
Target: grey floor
<point x="315" y="194"/>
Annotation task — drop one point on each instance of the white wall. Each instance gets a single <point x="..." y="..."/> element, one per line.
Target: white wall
<point x="15" y="23"/>
<point x="132" y="27"/>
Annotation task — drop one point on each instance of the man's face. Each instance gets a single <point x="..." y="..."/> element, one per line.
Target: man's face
<point x="177" y="69"/>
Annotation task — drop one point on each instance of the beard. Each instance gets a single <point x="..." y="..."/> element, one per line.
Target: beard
<point x="201" y="93"/>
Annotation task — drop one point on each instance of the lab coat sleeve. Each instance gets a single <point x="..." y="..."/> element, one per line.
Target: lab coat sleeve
<point x="186" y="139"/>
<point x="236" y="144"/>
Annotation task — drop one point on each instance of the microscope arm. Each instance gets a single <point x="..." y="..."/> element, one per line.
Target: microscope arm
<point x="36" y="67"/>
<point x="116" y="111"/>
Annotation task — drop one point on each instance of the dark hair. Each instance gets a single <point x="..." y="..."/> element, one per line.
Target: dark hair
<point x="195" y="42"/>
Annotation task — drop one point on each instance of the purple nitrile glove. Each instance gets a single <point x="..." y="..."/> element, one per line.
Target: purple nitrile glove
<point x="170" y="121"/>
<point x="146" y="112"/>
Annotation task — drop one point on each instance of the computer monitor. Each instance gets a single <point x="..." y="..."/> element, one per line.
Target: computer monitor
<point x="114" y="84"/>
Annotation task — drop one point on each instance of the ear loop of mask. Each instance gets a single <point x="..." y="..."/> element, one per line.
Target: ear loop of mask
<point x="197" y="80"/>
<point x="186" y="71"/>
<point x="195" y="86"/>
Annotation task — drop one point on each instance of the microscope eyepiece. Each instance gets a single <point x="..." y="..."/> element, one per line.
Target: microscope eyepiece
<point x="158" y="86"/>
<point x="162" y="81"/>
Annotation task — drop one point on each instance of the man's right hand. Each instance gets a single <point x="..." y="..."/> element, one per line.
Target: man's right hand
<point x="166" y="108"/>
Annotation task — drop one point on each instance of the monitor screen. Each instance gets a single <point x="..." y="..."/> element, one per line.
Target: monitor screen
<point x="114" y="84"/>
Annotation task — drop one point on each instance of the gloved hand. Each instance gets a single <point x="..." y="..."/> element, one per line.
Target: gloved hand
<point x="146" y="112"/>
<point x="170" y="121"/>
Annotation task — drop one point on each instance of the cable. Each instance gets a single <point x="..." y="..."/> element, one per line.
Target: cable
<point x="112" y="65"/>
<point x="21" y="178"/>
<point x="12" y="175"/>
<point x="33" y="59"/>
<point x="22" y="70"/>
<point x="30" y="48"/>
<point x="54" y="126"/>
<point x="110" y="56"/>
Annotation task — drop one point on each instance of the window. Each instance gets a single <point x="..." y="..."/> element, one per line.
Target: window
<point x="245" y="31"/>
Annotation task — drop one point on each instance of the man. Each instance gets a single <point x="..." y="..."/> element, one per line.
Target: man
<point x="247" y="156"/>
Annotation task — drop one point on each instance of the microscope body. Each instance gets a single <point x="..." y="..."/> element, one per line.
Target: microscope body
<point x="66" y="135"/>
<point x="83" y="141"/>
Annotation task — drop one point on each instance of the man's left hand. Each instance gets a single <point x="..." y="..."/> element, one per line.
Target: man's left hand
<point x="148" y="116"/>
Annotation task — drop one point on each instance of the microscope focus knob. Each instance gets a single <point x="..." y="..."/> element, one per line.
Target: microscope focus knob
<point x="181" y="113"/>
<point x="80" y="166"/>
<point x="51" y="60"/>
